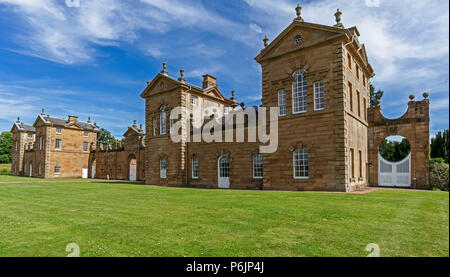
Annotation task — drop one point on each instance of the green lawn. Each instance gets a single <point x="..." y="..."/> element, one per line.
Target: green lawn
<point x="40" y="217"/>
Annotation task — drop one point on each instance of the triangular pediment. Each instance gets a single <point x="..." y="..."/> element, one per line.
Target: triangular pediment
<point x="214" y="92"/>
<point x="159" y="84"/>
<point x="39" y="121"/>
<point x="299" y="35"/>
<point x="132" y="132"/>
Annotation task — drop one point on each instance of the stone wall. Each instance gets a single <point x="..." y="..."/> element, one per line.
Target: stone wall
<point x="414" y="126"/>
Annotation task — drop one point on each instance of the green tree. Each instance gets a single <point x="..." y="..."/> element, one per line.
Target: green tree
<point x="395" y="151"/>
<point x="374" y="96"/>
<point x="5" y="147"/>
<point x="439" y="145"/>
<point x="104" y="136"/>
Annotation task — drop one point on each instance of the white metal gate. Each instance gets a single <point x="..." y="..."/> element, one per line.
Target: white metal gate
<point x="133" y="170"/>
<point x="394" y="174"/>
<point x="84" y="173"/>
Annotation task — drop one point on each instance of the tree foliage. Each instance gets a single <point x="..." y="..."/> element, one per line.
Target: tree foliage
<point x="374" y="96"/>
<point x="439" y="175"/>
<point x="439" y="146"/>
<point x="395" y="151"/>
<point x="104" y="136"/>
<point x="5" y="147"/>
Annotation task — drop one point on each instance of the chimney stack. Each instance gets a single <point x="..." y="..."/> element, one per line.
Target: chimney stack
<point x="73" y="119"/>
<point x="209" y="81"/>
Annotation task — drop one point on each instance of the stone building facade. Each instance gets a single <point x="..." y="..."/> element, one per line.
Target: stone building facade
<point x="52" y="147"/>
<point x="317" y="76"/>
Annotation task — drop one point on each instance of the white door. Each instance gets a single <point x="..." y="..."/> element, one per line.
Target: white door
<point x="224" y="172"/>
<point x="31" y="170"/>
<point x="394" y="174"/>
<point x="133" y="170"/>
<point x="84" y="173"/>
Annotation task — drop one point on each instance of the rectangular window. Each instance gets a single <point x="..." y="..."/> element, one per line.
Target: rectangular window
<point x="226" y="110"/>
<point x="170" y="124"/>
<point x="352" y="163"/>
<point x="58" y="130"/>
<point x="350" y="95"/>
<point x="357" y="71"/>
<point x="194" y="168"/>
<point x="57" y="170"/>
<point x="58" y="144"/>
<point x="349" y="61"/>
<point x="17" y="146"/>
<point x="360" y="164"/>
<point x="365" y="109"/>
<point x="257" y="166"/>
<point x="359" y="103"/>
<point x="364" y="80"/>
<point x="194" y="100"/>
<point x="86" y="134"/>
<point x="155" y="126"/>
<point x="301" y="167"/>
<point x="30" y="135"/>
<point x="282" y="102"/>
<point x="85" y="146"/>
<point x="41" y="143"/>
<point x="318" y="96"/>
<point x="162" y="166"/>
<point x="162" y="123"/>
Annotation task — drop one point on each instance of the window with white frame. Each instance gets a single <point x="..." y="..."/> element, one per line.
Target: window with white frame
<point x="155" y="126"/>
<point x="195" y="168"/>
<point x="257" y="166"/>
<point x="162" y="168"/>
<point x="58" y="144"/>
<point x="57" y="170"/>
<point x="162" y="119"/>
<point x="282" y="102"/>
<point x="85" y="146"/>
<point x="171" y="123"/>
<point x="30" y="135"/>
<point x="226" y="110"/>
<point x="86" y="134"/>
<point x="41" y="143"/>
<point x="319" y="103"/>
<point x="301" y="170"/>
<point x="17" y="146"/>
<point x="194" y="100"/>
<point x="58" y="130"/>
<point x="299" y="86"/>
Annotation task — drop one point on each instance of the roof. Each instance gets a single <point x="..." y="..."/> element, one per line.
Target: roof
<point x="135" y="130"/>
<point x="23" y="127"/>
<point x="65" y="123"/>
<point x="179" y="83"/>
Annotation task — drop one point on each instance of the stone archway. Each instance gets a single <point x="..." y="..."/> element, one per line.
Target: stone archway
<point x="414" y="126"/>
<point x="132" y="167"/>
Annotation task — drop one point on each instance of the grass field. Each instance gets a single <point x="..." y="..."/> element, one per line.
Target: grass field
<point x="105" y="218"/>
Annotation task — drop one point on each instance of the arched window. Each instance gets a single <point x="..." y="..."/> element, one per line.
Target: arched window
<point x="40" y="168"/>
<point x="301" y="170"/>
<point x="299" y="104"/>
<point x="162" y="118"/>
<point x="162" y="168"/>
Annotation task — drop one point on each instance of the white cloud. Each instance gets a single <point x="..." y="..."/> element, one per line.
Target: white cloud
<point x="372" y="3"/>
<point x="255" y="28"/>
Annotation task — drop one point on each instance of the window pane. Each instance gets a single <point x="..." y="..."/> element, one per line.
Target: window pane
<point x="282" y="102"/>
<point x="301" y="169"/>
<point x="163" y="168"/>
<point x="299" y="92"/>
<point x="162" y="124"/>
<point x="257" y="166"/>
<point x="194" y="168"/>
<point x="318" y="96"/>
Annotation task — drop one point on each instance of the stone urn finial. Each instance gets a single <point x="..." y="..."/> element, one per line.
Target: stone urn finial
<point x="425" y="95"/>
<point x="18" y="119"/>
<point x="266" y="41"/>
<point x="411" y="97"/>
<point x="298" y="11"/>
<point x="378" y="102"/>
<point x="338" y="19"/>
<point x="164" y="71"/>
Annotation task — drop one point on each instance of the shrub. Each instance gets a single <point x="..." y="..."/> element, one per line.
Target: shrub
<point x="4" y="159"/>
<point x="437" y="160"/>
<point x="5" y="171"/>
<point x="439" y="175"/>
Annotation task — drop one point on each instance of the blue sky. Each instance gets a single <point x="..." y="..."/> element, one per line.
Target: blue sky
<point x="93" y="57"/>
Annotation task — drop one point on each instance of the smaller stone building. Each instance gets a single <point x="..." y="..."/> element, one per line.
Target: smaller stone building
<point x="52" y="147"/>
